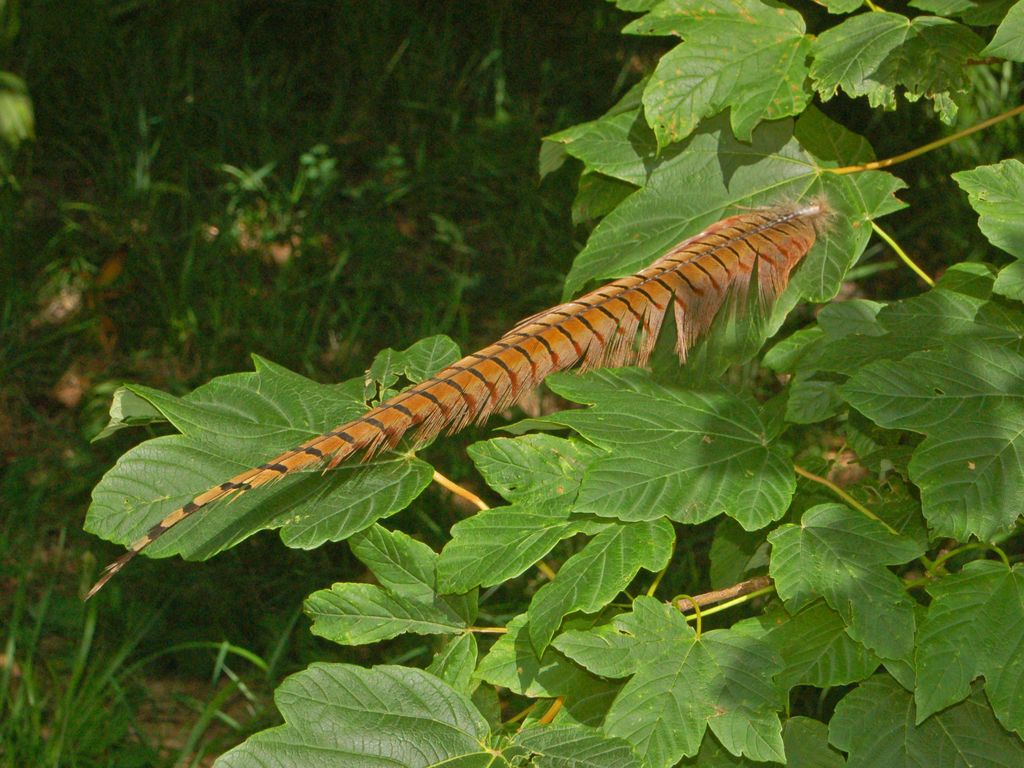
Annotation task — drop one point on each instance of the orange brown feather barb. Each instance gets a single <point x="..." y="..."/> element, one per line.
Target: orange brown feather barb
<point x="614" y="325"/>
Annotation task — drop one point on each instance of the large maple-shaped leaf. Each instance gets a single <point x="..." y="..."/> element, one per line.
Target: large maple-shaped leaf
<point x="595" y="575"/>
<point x="969" y="402"/>
<point x="714" y="174"/>
<point x="842" y="556"/>
<point x="974" y="627"/>
<point x="872" y="54"/>
<point x="738" y="54"/>
<point x="672" y="452"/>
<point x="875" y="724"/>
<point x="682" y="684"/>
<point x="228" y="425"/>
<point x="339" y="714"/>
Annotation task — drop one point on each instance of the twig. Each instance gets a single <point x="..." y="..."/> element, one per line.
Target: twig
<point x="718" y="595"/>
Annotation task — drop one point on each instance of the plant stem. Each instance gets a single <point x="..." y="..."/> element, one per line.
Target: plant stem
<point x="547" y="570"/>
<point x="876" y="164"/>
<point x="902" y="254"/>
<point x="657" y="580"/>
<point x="844" y="496"/>
<point x="940" y="561"/>
<point x="458" y="490"/>
<point x="697" y="612"/>
<point x="548" y="716"/>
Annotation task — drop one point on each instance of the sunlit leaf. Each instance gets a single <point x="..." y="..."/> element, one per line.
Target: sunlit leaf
<point x="873" y="54"/>
<point x="339" y="714"/>
<point x="738" y="54"/>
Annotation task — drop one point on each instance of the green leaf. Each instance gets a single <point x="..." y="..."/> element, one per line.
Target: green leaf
<point x="980" y="13"/>
<point x="637" y="6"/>
<point x="456" y="661"/>
<point x="129" y="410"/>
<point x="231" y="424"/>
<point x="731" y="174"/>
<point x="400" y="563"/>
<point x="734" y="553"/>
<point x="742" y="55"/>
<point x="597" y="195"/>
<point x="573" y="746"/>
<point x="496" y="545"/>
<point x="595" y="575"/>
<point x="682" y="684"/>
<point x="841" y="555"/>
<point x="807" y="746"/>
<point x="513" y="663"/>
<point x="533" y="468"/>
<point x="816" y="649"/>
<point x="621" y="146"/>
<point x="416" y="363"/>
<point x="956" y="313"/>
<point x="812" y="400"/>
<point x="541" y="474"/>
<point x="356" y="614"/>
<point x="689" y="455"/>
<point x="1008" y="42"/>
<point x="806" y="743"/>
<point x="974" y="627"/>
<point x="339" y="714"/>
<point x="841" y="6"/>
<point x="875" y="724"/>
<point x="17" y="118"/>
<point x="969" y="402"/>
<point x="1010" y="281"/>
<point x="872" y="54"/>
<point x="996" y="192"/>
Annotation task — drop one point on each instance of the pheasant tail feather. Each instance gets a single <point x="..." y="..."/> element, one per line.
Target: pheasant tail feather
<point x="616" y="324"/>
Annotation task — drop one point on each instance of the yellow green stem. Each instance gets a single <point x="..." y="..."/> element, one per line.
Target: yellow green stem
<point x="844" y="496"/>
<point x="728" y="604"/>
<point x="876" y="164"/>
<point x="902" y="254"/>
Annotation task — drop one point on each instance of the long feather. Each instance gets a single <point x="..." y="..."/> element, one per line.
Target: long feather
<point x="614" y="325"/>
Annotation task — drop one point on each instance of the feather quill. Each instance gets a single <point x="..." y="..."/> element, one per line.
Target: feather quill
<point x="614" y="325"/>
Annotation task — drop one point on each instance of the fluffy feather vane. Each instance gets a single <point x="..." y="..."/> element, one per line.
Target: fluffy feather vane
<point x="616" y="324"/>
